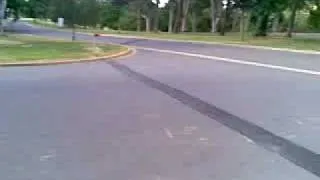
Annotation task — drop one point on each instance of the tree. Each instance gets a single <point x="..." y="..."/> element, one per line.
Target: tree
<point x="314" y="18"/>
<point x="295" y="5"/>
<point x="200" y="15"/>
<point x="176" y="16"/>
<point x="178" y="11"/>
<point x="89" y="11"/>
<point x="185" y="4"/>
<point x="35" y="8"/>
<point x="147" y="12"/>
<point x="156" y="16"/>
<point x="110" y="15"/>
<point x="246" y="7"/>
<point x="195" y="10"/>
<point x="136" y="6"/>
<point x="262" y="10"/>
<point x="216" y="8"/>
<point x="3" y="7"/>
<point x="171" y="5"/>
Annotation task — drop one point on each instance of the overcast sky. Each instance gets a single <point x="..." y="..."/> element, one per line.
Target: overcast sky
<point x="162" y="2"/>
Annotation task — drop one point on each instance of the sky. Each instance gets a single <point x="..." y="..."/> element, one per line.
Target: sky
<point x="162" y="2"/>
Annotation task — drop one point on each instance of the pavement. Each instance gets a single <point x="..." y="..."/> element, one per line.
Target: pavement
<point x="172" y="111"/>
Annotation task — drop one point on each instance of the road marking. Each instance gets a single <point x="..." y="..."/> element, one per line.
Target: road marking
<point x="299" y="122"/>
<point x="236" y="61"/>
<point x="47" y="157"/>
<point x="295" y="153"/>
<point x="213" y="43"/>
<point x="203" y="139"/>
<point x="248" y="140"/>
<point x="168" y="133"/>
<point x="190" y="128"/>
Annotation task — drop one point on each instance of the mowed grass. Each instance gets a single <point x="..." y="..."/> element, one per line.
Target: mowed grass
<point x="234" y="38"/>
<point x="275" y="41"/>
<point x="278" y="40"/>
<point x="19" y="48"/>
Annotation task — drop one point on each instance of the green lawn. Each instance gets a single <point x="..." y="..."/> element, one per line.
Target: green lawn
<point x="276" y="40"/>
<point x="20" y="48"/>
<point x="231" y="38"/>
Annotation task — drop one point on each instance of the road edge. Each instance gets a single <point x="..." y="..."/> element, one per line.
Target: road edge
<point x="128" y="51"/>
<point x="215" y="43"/>
<point x="308" y="52"/>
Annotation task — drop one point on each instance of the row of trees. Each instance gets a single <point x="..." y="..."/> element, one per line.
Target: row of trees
<point x="3" y="5"/>
<point x="258" y="16"/>
<point x="226" y="15"/>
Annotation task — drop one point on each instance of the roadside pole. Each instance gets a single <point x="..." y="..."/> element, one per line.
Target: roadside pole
<point x="73" y="32"/>
<point x="74" y="20"/>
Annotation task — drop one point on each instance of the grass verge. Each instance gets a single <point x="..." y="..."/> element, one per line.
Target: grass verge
<point x="301" y="42"/>
<point x="298" y="43"/>
<point x="15" y="49"/>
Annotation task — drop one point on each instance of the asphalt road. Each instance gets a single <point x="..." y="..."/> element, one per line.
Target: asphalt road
<point x="178" y="111"/>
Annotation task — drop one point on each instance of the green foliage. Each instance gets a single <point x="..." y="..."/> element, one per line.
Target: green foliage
<point x="89" y="13"/>
<point x="110" y="15"/>
<point x="64" y="8"/>
<point x="132" y="14"/>
<point x="15" y="6"/>
<point x="314" y="19"/>
<point x="36" y="8"/>
<point x="127" y="21"/>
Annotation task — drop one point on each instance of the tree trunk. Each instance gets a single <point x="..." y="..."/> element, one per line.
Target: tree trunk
<point x="276" y="22"/>
<point x="262" y="25"/>
<point x="292" y="18"/>
<point x="148" y="22"/>
<point x="184" y="17"/>
<point x="139" y="20"/>
<point x="194" y="21"/>
<point x="247" y="21"/>
<point x="235" y="21"/>
<point x="213" y="16"/>
<point x="225" y="17"/>
<point x="3" y="7"/>
<point x="171" y="15"/>
<point x="223" y="22"/>
<point x="183" y="24"/>
<point x="242" y="25"/>
<point x="177" y="23"/>
<point x="156" y="18"/>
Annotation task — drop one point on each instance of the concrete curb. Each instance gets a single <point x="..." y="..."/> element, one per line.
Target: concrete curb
<point x="126" y="52"/>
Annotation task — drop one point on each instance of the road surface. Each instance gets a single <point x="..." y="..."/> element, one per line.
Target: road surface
<point x="172" y="111"/>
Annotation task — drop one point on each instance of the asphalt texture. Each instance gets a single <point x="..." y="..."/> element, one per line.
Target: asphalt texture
<point x="161" y="116"/>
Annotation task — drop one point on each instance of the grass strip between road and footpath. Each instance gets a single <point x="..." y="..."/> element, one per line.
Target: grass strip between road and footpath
<point x="17" y="49"/>
<point x="299" y="42"/>
<point x="296" y="43"/>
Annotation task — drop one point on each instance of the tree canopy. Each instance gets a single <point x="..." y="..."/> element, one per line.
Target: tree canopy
<point x="257" y="16"/>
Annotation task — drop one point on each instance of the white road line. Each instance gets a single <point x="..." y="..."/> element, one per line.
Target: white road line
<point x="215" y="43"/>
<point x="249" y="140"/>
<point x="236" y="61"/>
<point x="168" y="133"/>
